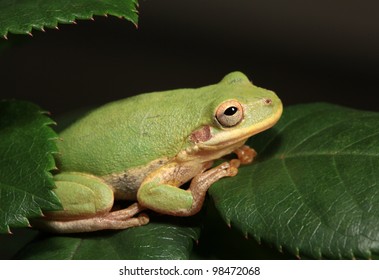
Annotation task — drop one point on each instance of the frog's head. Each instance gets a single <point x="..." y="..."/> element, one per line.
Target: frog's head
<point x="240" y="110"/>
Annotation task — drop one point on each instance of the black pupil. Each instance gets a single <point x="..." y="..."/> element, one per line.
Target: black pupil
<point x="231" y="111"/>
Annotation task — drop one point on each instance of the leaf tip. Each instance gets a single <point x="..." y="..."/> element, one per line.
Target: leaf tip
<point x="44" y="112"/>
<point x="352" y="256"/>
<point x="258" y="239"/>
<point x="297" y="253"/>
<point x="369" y="255"/>
<point x="228" y="222"/>
<point x="54" y="168"/>
<point x="280" y="249"/>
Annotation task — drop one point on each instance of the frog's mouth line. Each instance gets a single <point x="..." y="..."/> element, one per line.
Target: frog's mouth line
<point x="231" y="137"/>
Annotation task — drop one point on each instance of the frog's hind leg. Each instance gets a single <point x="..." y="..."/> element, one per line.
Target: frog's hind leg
<point x="87" y="202"/>
<point x="128" y="212"/>
<point x="116" y="220"/>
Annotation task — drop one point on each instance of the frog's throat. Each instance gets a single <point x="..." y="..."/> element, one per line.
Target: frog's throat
<point x="231" y="137"/>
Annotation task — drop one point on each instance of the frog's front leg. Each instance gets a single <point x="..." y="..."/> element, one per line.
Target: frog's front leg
<point x="87" y="201"/>
<point x="161" y="193"/>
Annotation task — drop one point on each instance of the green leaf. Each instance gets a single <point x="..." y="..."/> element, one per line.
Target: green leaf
<point x="220" y="242"/>
<point x="314" y="188"/>
<point x="21" y="16"/>
<point x="153" y="241"/>
<point x="26" y="147"/>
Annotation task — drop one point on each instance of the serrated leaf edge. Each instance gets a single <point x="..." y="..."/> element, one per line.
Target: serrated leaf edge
<point x="51" y="166"/>
<point x="50" y="156"/>
<point x="73" y="20"/>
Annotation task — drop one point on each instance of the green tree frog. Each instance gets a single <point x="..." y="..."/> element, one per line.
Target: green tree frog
<point x="144" y="148"/>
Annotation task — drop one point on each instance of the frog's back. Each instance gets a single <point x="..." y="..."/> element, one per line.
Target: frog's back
<point x="130" y="132"/>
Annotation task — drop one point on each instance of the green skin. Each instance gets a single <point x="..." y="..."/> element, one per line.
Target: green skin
<point x="145" y="147"/>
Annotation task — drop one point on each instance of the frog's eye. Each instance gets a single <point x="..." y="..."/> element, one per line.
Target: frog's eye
<point x="229" y="113"/>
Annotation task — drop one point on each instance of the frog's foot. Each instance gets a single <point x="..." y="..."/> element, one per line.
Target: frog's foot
<point x="116" y="220"/>
<point x="245" y="154"/>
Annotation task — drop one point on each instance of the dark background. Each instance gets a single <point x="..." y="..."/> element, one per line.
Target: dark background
<point x="304" y="50"/>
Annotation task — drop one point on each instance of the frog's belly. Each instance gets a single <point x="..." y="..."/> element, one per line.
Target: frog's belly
<point x="126" y="184"/>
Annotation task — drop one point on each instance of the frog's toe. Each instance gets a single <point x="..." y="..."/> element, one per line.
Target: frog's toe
<point x="233" y="168"/>
<point x="245" y="154"/>
<point x="143" y="219"/>
<point x="230" y="168"/>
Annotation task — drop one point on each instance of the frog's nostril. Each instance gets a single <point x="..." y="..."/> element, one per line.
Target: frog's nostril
<point x="267" y="101"/>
